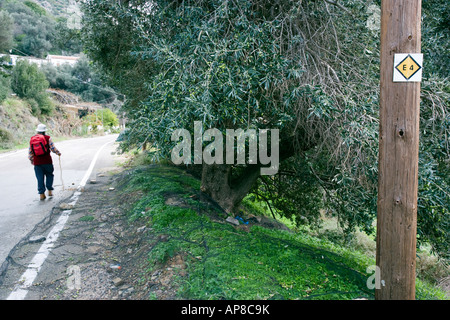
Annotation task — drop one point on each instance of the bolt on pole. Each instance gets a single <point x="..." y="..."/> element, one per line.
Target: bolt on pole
<point x="398" y="149"/>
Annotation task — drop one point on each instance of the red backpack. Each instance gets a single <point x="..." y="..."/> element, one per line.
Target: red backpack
<point x="39" y="145"/>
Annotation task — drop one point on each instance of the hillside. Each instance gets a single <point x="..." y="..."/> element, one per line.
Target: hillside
<point x="59" y="8"/>
<point x="18" y="123"/>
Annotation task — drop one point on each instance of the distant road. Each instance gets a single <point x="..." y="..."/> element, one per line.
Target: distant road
<point x="20" y="207"/>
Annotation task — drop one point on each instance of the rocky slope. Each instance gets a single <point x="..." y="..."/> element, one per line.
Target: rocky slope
<point x="17" y="123"/>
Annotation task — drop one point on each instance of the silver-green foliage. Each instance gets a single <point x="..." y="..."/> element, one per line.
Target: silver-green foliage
<point x="308" y="68"/>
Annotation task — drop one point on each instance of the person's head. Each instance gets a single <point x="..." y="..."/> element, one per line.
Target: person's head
<point x="41" y="128"/>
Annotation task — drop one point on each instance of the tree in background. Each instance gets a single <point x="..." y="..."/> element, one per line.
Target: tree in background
<point x="307" y="68"/>
<point x="28" y="82"/>
<point x="33" y="30"/>
<point x="6" y="31"/>
<point x="109" y="118"/>
<point x="5" y="87"/>
<point x="102" y="117"/>
<point x="37" y="33"/>
<point x="81" y="79"/>
<point x="67" y="40"/>
<point x="6" y="44"/>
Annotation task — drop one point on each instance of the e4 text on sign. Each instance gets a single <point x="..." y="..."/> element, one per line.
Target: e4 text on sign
<point x="408" y="67"/>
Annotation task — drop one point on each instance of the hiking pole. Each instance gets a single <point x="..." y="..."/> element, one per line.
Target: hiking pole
<point x="60" y="169"/>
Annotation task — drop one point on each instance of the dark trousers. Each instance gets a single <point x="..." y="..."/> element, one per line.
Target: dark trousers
<point x="44" y="176"/>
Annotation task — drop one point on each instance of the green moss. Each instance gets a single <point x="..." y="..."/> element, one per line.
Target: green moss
<point x="225" y="262"/>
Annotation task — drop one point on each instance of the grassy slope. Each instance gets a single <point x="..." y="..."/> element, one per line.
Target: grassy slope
<point x="245" y="262"/>
<point x="17" y="123"/>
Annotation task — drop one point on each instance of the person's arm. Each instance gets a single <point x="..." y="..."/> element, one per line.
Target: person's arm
<point x="53" y="148"/>
<point x="30" y="155"/>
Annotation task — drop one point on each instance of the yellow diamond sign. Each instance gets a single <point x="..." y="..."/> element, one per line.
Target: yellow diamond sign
<point x="407" y="67"/>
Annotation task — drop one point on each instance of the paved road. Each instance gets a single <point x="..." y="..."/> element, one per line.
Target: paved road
<point x="20" y="207"/>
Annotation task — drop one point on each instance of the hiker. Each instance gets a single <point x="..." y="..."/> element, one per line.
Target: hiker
<point x="39" y="155"/>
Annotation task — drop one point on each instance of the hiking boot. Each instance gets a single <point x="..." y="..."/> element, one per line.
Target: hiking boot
<point x="42" y="196"/>
<point x="50" y="193"/>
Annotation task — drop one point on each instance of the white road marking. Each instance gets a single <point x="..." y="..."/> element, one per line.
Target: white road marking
<point x="28" y="277"/>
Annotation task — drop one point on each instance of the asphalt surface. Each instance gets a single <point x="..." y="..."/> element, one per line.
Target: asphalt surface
<point x="20" y="207"/>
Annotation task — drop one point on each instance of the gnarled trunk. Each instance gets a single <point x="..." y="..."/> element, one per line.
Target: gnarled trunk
<point x="229" y="191"/>
<point x="217" y="182"/>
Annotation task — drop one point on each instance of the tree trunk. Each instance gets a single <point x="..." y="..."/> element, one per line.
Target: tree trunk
<point x="229" y="191"/>
<point x="217" y="182"/>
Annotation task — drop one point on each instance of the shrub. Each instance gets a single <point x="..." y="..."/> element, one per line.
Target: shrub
<point x="6" y="139"/>
<point x="28" y="82"/>
<point x="5" y="88"/>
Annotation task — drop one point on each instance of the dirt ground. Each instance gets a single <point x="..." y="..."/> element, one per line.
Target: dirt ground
<point x="99" y="255"/>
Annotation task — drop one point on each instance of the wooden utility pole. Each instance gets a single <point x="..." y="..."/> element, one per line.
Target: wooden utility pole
<point x="398" y="150"/>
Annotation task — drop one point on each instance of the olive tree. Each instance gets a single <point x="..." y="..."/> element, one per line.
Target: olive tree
<point x="308" y="69"/>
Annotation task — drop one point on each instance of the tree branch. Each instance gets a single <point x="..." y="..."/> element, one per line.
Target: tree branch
<point x="267" y="202"/>
<point x="340" y="6"/>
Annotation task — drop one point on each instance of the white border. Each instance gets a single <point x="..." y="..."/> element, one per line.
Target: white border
<point x="417" y="77"/>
